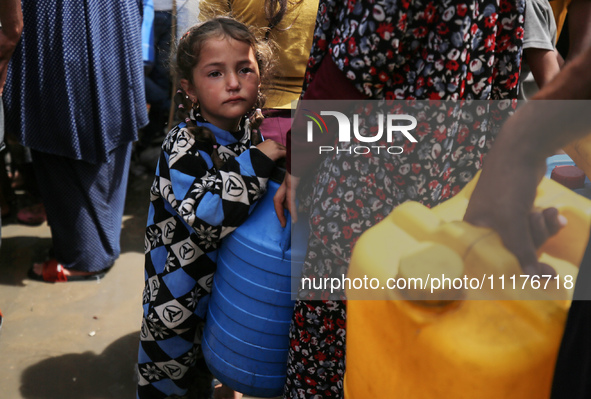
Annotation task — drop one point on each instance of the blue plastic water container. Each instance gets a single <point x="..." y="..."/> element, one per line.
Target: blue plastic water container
<point x="148" y="53"/>
<point x="564" y="159"/>
<point x="246" y="335"/>
<point x="557" y="160"/>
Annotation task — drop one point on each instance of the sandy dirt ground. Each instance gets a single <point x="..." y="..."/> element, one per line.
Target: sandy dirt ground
<point x="73" y="340"/>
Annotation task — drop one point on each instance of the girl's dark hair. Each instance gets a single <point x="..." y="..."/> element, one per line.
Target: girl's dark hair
<point x="273" y="13"/>
<point x="187" y="57"/>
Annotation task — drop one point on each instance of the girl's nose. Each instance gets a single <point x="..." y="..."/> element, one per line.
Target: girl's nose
<point x="232" y="82"/>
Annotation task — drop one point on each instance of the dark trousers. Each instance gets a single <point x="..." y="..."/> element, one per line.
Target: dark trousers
<point x="84" y="204"/>
<point x="157" y="80"/>
<point x="572" y="377"/>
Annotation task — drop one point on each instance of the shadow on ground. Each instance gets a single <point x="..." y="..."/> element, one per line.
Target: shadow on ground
<point x="110" y="374"/>
<point x="18" y="254"/>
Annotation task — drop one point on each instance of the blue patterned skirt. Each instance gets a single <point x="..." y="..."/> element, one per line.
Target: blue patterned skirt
<point x="75" y="86"/>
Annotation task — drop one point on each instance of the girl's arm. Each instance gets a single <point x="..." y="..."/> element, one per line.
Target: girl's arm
<point x="206" y="197"/>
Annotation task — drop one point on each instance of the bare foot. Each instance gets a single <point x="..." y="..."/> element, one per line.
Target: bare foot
<point x="223" y="392"/>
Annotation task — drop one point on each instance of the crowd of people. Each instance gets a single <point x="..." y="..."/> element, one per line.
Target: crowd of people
<point x="76" y="93"/>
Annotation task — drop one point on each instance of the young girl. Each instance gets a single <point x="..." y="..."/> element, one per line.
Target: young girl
<point x="208" y="177"/>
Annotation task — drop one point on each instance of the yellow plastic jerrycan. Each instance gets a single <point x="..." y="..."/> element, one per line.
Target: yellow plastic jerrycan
<point x="433" y="342"/>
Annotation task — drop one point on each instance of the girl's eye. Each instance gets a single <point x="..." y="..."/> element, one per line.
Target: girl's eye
<point x="214" y="74"/>
<point x="246" y="70"/>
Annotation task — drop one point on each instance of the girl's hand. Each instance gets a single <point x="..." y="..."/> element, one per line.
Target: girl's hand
<point x="272" y="149"/>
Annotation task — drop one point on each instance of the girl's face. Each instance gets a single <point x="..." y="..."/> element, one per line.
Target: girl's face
<point x="226" y="81"/>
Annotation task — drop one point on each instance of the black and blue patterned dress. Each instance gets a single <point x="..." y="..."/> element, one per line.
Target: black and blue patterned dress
<point x="193" y="206"/>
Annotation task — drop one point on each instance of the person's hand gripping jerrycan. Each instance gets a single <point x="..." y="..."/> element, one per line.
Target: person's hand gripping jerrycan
<point x="487" y="332"/>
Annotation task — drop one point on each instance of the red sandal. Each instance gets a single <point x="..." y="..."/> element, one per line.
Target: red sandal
<point x="33" y="215"/>
<point x="53" y="272"/>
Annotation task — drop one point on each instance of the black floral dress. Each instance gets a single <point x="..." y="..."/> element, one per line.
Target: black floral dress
<point x="395" y="49"/>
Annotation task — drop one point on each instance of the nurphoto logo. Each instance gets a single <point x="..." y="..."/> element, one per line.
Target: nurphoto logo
<point x="388" y="124"/>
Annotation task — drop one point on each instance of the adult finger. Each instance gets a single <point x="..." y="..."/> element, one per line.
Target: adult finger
<point x="545" y="224"/>
<point x="279" y="203"/>
<point x="291" y="184"/>
<point x="554" y="220"/>
<point x="518" y="240"/>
